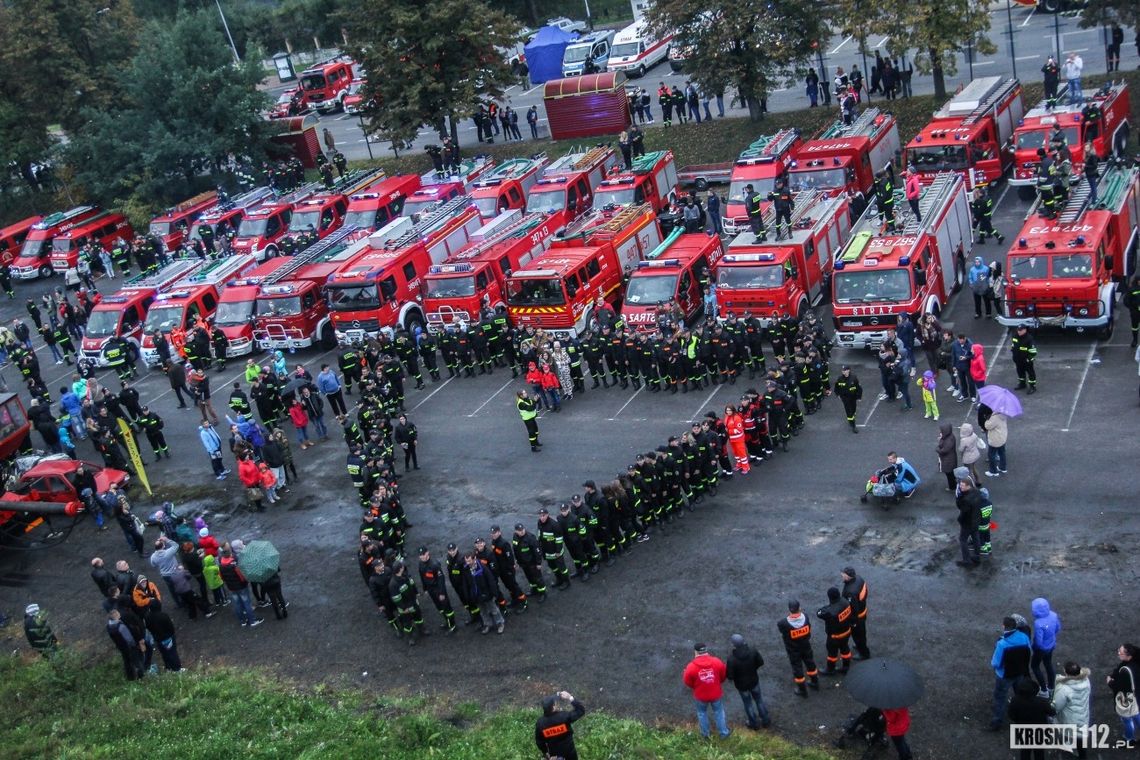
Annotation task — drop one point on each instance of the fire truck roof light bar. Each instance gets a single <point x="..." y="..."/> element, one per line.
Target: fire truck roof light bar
<point x="59" y="217"/>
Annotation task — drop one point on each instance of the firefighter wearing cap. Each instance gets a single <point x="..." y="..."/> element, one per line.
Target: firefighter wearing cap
<point x="378" y="586"/>
<point x="553" y="733"/>
<point x="504" y="564"/>
<point x="349" y="363"/>
<point x="1024" y="352"/>
<point x="486" y="558"/>
<point x="551" y="539"/>
<point x="576" y="532"/>
<point x="837" y="617"/>
<point x="849" y="391"/>
<point x="152" y="425"/>
<point x="755" y="211"/>
<point x="528" y="555"/>
<point x="982" y="206"/>
<point x="783" y="201"/>
<point x="855" y="591"/>
<point x="403" y="593"/>
<point x="778" y="404"/>
<point x="528" y="412"/>
<point x="795" y="629"/>
<point x="431" y="578"/>
<point x="356" y="472"/>
<point x="457" y="574"/>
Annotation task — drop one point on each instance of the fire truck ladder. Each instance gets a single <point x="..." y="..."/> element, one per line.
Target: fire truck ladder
<point x="168" y="275"/>
<point x="431" y="222"/>
<point x="622" y="219"/>
<point x="934" y="196"/>
<point x="594" y="156"/>
<point x="864" y="125"/>
<point x="356" y="180"/>
<point x="770" y="146"/>
<point x="219" y="271"/>
<point x="302" y="192"/>
<point x="59" y="217"/>
<point x="248" y="199"/>
<point x="512" y="231"/>
<point x="189" y="202"/>
<point x="1076" y="204"/>
<point x="333" y="243"/>
<point x="990" y="99"/>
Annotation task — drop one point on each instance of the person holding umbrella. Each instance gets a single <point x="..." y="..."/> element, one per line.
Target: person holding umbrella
<point x="892" y="687"/>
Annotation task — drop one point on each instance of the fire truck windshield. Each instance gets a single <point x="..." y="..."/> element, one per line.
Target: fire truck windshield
<point x="160" y="228"/>
<point x="760" y="185"/>
<point x="743" y="278"/>
<point x="623" y="196"/>
<point x="286" y="306"/>
<point x="450" y="287"/>
<point x="233" y="312"/>
<point x="546" y="202"/>
<point x="33" y="247"/>
<point x="253" y="227"/>
<point x="61" y="245"/>
<point x="869" y="286"/>
<point x="352" y="297"/>
<point x="1072" y="266"/>
<point x="419" y="207"/>
<point x="1039" y="138"/>
<point x="164" y="318"/>
<point x="361" y="220"/>
<point x="1028" y="267"/>
<point x="488" y="207"/>
<point x="102" y="324"/>
<point x="303" y="220"/>
<point x="818" y="179"/>
<point x="544" y="292"/>
<point x="652" y="289"/>
<point x="937" y="157"/>
<point x="313" y="81"/>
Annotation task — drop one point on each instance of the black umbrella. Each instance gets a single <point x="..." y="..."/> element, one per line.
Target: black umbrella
<point x="294" y="385"/>
<point x="885" y="684"/>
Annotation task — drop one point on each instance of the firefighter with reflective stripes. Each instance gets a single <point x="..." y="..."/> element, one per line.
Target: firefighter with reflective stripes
<point x="837" y="618"/>
<point x="755" y="211"/>
<point x="403" y="592"/>
<point x="349" y="363"/>
<point x="1045" y="195"/>
<point x="117" y="355"/>
<point x="795" y="629"/>
<point x="431" y="578"/>
<point x="782" y="201"/>
<point x="590" y="532"/>
<point x="1131" y="300"/>
<point x="457" y="574"/>
<point x="855" y="591"/>
<point x="356" y="473"/>
<point x="574" y="352"/>
<point x="528" y="555"/>
<point x="504" y="562"/>
<point x="447" y="349"/>
<point x="528" y="412"/>
<point x="152" y="425"/>
<point x="592" y="350"/>
<point x="986" y="511"/>
<point x="483" y="554"/>
<point x="779" y="404"/>
<point x="551" y="540"/>
<point x="849" y="391"/>
<point x="575" y="529"/>
<point x="982" y="207"/>
<point x="1024" y="352"/>
<point x="885" y="199"/>
<point x="379" y="584"/>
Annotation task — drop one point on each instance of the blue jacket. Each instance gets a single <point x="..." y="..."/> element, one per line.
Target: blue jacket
<point x="977" y="272"/>
<point x="327" y="382"/>
<point x="70" y="403"/>
<point x="961" y="353"/>
<point x="210" y="439"/>
<point x="1046" y="625"/>
<point x="1009" y="640"/>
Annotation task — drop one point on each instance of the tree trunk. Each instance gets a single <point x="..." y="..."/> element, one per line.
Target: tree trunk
<point x="454" y="128"/>
<point x="755" y="112"/>
<point x="30" y="176"/>
<point x="533" y="11"/>
<point x="939" y="76"/>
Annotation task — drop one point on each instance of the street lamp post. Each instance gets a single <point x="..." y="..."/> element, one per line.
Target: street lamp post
<point x="1012" y="54"/>
<point x="367" y="141"/>
<point x="226" y="26"/>
<point x="1057" y="32"/>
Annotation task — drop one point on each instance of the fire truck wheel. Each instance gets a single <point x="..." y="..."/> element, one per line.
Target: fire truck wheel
<point x="328" y="337"/>
<point x="640" y="71"/>
<point x="702" y="184"/>
<point x="46" y="271"/>
<point x="271" y="252"/>
<point x="411" y="321"/>
<point x="936" y="309"/>
<point x="802" y="310"/>
<point x="1105" y="332"/>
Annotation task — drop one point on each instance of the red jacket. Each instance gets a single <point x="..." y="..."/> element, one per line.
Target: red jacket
<point x="898" y="721"/>
<point x="978" y="363"/>
<point x="534" y="375"/>
<point x="208" y="545"/>
<point x="734" y="424"/>
<point x="550" y="380"/>
<point x="704" y="675"/>
<point x="297" y="414"/>
<point x="249" y="474"/>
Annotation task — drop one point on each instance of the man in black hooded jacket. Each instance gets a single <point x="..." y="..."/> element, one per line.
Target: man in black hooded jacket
<point x="553" y="733"/>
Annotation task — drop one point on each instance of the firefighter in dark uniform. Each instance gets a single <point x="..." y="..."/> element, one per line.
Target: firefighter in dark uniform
<point x="574" y="351"/>
<point x="1045" y="194"/>
<point x="574" y="530"/>
<point x="779" y="404"/>
<point x="457" y="573"/>
<point x="6" y="280"/>
<point x="239" y="401"/>
<point x="349" y="363"/>
<point x="407" y="353"/>
<point x="504" y="565"/>
<point x="116" y="355"/>
<point x="795" y="629"/>
<point x="855" y="591"/>
<point x="592" y="350"/>
<point x="551" y="540"/>
<point x="1024" y="353"/>
<point x="528" y="555"/>
<point x="426" y="349"/>
<point x="63" y="342"/>
<point x="1131" y="300"/>
<point x="206" y="234"/>
<point x="885" y="199"/>
<point x="528" y="412"/>
<point x="355" y="466"/>
<point x="553" y="734"/>
<point x="782" y="201"/>
<point x="486" y="557"/>
<point x="431" y="578"/>
<point x="837" y="617"/>
<point x="379" y="585"/>
<point x="755" y="213"/>
<point x="982" y="206"/>
<point x="152" y="425"/>
<point x="221" y="345"/>
<point x="403" y="593"/>
<point x="849" y="391"/>
<point x="591" y="532"/>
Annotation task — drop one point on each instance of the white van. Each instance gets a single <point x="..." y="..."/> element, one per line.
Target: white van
<point x="636" y="50"/>
<point x="594" y="48"/>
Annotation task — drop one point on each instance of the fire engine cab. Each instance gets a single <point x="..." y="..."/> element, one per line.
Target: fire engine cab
<point x="673" y="272"/>
<point x="102" y="229"/>
<point x="223" y="219"/>
<point x="759" y="165"/>
<point x="34" y="259"/>
<point x="262" y="229"/>
<point x="558" y="292"/>
<point x="318" y="216"/>
<point x="122" y="313"/>
<point x="456" y="290"/>
<point x="1109" y="132"/>
<point x="881" y="274"/>
<point x="506" y="186"/>
<point x="325" y="85"/>
<point x="380" y="287"/>
<point x="970" y="134"/>
<point x="786" y="276"/>
<point x="652" y="179"/>
<point x="847" y="157"/>
<point x="1063" y="272"/>
<point x="191" y="300"/>
<point x="379" y="204"/>
<point x="13" y="236"/>
<point x="568" y="185"/>
<point x="171" y="226"/>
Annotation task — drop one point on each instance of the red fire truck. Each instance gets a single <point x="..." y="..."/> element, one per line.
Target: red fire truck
<point x="324" y="212"/>
<point x="970" y="134"/>
<point x="380" y="287"/>
<point x="262" y="228"/>
<point x="456" y="290"/>
<point x="880" y="275"/>
<point x="1064" y="272"/>
<point x="189" y="301"/>
<point x="671" y="273"/>
<point x="1109" y="133"/>
<point x="171" y="226"/>
<point x="568" y="185"/>
<point x="558" y="292"/>
<point x="325" y="85"/>
<point x="13" y="236"/>
<point x="790" y="275"/>
<point x="34" y="259"/>
<point x="652" y="180"/>
<point x="224" y="217"/>
<point x="506" y="186"/>
<point x="847" y="157"/>
<point x="759" y="165"/>
<point x="104" y="229"/>
<point x="470" y="171"/>
<point x="122" y="314"/>
<point x="379" y="204"/>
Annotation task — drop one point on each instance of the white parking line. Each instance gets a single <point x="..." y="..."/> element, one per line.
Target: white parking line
<point x="532" y="89"/>
<point x="841" y="44"/>
<point x="1031" y="12"/>
<point x="496" y="393"/>
<point x="874" y="406"/>
<point x="1026" y="57"/>
<point x="1080" y="386"/>
<point x="984" y="63"/>
<point x="627" y="403"/>
<point x="697" y="413"/>
<point x="881" y="43"/>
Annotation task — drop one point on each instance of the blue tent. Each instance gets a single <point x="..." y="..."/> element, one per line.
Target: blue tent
<point x="544" y="53"/>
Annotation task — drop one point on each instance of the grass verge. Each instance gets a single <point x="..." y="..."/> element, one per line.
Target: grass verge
<point x="71" y="708"/>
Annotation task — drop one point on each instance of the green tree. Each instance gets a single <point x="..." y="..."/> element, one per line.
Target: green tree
<point x="183" y="108"/>
<point x="1126" y="13"/>
<point x="427" y="62"/>
<point x="754" y="47"/>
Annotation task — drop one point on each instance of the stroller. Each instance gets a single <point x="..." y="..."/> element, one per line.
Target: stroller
<point x="892" y="484"/>
<point x="868" y="730"/>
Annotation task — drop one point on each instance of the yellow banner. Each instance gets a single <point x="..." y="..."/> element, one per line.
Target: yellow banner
<point x="133" y="453"/>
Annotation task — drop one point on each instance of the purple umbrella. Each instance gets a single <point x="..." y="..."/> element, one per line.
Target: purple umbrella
<point x="1001" y="400"/>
